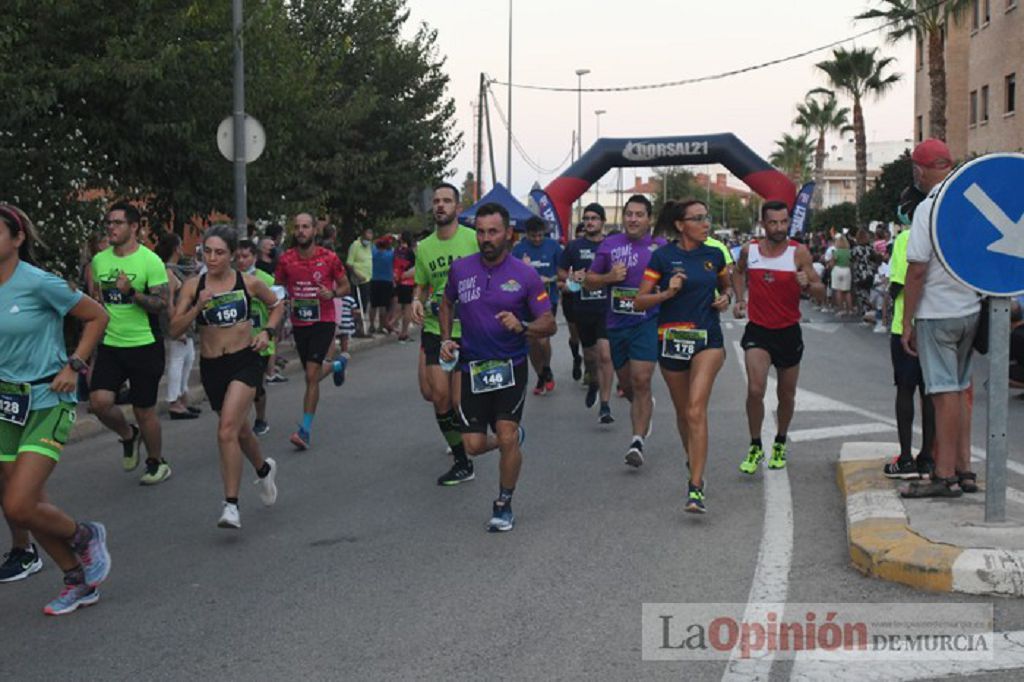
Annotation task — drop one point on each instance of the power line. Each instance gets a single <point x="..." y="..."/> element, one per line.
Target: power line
<point x="717" y="76"/>
<point x="536" y="167"/>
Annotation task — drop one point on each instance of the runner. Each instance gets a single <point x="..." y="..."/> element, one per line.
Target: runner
<point x="434" y="256"/>
<point x="691" y="349"/>
<point x="632" y="334"/>
<point x="777" y="269"/>
<point x="37" y="407"/>
<point x="541" y="253"/>
<point x="906" y="368"/>
<point x="131" y="281"/>
<point x="220" y="302"/>
<point x="245" y="261"/>
<point x="589" y="310"/>
<point x="312" y="276"/>
<point x="569" y="312"/>
<point x="495" y="294"/>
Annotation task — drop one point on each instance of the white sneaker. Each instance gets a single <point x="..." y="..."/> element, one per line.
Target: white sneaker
<point x="879" y="329"/>
<point x="268" y="486"/>
<point x="229" y="517"/>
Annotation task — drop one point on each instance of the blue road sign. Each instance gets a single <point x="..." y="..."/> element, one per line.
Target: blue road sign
<point x="978" y="224"/>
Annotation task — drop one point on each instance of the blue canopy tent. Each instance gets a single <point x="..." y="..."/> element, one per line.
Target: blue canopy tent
<point x="517" y="212"/>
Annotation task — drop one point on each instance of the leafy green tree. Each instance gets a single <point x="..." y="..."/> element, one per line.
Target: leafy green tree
<point x="879" y="202"/>
<point x="928" y="22"/>
<point x="859" y="74"/>
<point x="839" y="216"/>
<point x="821" y="116"/>
<point x="792" y="155"/>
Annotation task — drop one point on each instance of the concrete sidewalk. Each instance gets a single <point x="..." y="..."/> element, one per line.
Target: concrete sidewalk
<point x="938" y="544"/>
<point x="87" y="425"/>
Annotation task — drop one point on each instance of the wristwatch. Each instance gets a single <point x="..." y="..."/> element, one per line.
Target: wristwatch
<point x="77" y="364"/>
<point x="523" y="325"/>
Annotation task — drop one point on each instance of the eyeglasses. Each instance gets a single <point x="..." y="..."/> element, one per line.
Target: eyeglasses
<point x="698" y="219"/>
<point x="108" y="223"/>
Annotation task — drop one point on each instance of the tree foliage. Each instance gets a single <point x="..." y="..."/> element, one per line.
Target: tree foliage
<point x="879" y="202"/>
<point x="839" y="216"/>
<point x="679" y="183"/>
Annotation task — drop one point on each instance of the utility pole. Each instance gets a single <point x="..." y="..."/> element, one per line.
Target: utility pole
<point x="508" y="168"/>
<point x="481" y="96"/>
<point x="238" y="122"/>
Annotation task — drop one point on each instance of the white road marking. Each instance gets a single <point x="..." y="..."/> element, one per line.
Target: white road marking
<point x="774" y="555"/>
<point x="827" y="432"/>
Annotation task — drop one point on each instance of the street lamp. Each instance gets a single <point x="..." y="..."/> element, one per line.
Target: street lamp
<point x="580" y="73"/>
<point x="597" y="136"/>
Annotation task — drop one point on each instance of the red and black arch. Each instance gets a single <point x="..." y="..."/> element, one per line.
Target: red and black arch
<point x="608" y="153"/>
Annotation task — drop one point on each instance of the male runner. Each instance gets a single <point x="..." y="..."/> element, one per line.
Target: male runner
<point x="776" y="270"/>
<point x="541" y="253"/>
<point x="495" y="294"/>
<point x="590" y="309"/>
<point x="434" y="256"/>
<point x="632" y="335"/>
<point x="312" y="276"/>
<point x="131" y="282"/>
<point x="245" y="261"/>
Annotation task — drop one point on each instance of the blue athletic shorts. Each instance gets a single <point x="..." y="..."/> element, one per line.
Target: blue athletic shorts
<point x="639" y="342"/>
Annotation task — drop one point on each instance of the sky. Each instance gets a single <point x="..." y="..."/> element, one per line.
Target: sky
<point x="641" y="42"/>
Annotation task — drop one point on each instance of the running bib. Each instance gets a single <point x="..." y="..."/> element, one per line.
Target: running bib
<point x="491" y="375"/>
<point x="225" y="310"/>
<point x="622" y="300"/>
<point x="113" y="296"/>
<point x="683" y="344"/>
<point x="306" y="309"/>
<point x="596" y="295"/>
<point x="15" y="402"/>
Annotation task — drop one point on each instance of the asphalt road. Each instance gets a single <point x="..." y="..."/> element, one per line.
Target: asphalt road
<point x="365" y="569"/>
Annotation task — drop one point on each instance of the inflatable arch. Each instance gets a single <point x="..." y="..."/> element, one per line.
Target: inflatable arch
<point x="556" y="199"/>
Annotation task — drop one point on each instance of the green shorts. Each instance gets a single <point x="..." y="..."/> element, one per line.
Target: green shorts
<point x="46" y="432"/>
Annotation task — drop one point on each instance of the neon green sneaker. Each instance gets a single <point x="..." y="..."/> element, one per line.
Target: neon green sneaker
<point x="156" y="472"/>
<point x="754" y="456"/>
<point x="778" y="458"/>
<point x="695" y="500"/>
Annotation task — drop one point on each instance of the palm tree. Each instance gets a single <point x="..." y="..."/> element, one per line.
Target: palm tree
<point x="793" y="156"/>
<point x="821" y="117"/>
<point x="859" y="74"/>
<point x="905" y="19"/>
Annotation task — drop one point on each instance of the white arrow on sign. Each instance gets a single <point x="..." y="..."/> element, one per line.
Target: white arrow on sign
<point x="1012" y="241"/>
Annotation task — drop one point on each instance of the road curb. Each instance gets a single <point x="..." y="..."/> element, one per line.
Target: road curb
<point x="883" y="545"/>
<point x="87" y="425"/>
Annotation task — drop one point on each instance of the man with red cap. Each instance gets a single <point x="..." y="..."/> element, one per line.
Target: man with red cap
<point x="940" y="316"/>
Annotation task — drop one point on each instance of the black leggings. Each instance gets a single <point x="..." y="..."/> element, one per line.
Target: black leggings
<point x="905" y="421"/>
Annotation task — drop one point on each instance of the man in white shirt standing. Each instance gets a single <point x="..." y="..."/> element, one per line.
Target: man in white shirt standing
<point x="940" y="317"/>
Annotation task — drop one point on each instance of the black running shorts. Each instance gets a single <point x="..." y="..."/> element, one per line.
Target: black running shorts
<point x="590" y="326"/>
<point x="142" y="366"/>
<point x="478" y="411"/>
<point x="244" y="365"/>
<point x="313" y="341"/>
<point x="785" y="346"/>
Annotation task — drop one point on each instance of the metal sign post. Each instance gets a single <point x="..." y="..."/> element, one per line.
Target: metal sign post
<point x="238" y="113"/>
<point x="977" y="225"/>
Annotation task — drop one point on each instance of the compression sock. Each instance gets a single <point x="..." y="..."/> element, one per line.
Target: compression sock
<point x="449" y="425"/>
<point x="459" y="454"/>
<point x="307" y="421"/>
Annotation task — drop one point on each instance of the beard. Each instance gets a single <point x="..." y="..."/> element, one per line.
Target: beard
<point x="491" y="252"/>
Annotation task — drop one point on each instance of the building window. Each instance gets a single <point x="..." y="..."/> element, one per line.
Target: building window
<point x="975" y="14"/>
<point x="1011" y="93"/>
<point x="920" y="128"/>
<point x="984" y="104"/>
<point x="987" y="13"/>
<point x="974" y="108"/>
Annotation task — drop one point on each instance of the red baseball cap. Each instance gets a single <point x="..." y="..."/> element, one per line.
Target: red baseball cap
<point x="932" y="153"/>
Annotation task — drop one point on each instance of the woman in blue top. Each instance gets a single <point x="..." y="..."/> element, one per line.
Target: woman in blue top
<point x="690" y="280"/>
<point x="37" y="407"/>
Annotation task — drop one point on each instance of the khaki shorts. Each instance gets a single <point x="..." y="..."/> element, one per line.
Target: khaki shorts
<point x="842" y="279"/>
<point x="945" y="349"/>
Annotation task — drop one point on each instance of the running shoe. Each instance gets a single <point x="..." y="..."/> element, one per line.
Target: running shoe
<point x="268" y="484"/>
<point x="539" y="388"/>
<point x="229" y="517"/>
<point x="549" y="381"/>
<point x="457" y="474"/>
<point x="635" y="454"/>
<point x="339" y="365"/>
<point x="20" y="563"/>
<point x="778" y="458"/>
<point x="577" y="368"/>
<point x="605" y="415"/>
<point x="277" y="378"/>
<point x="695" y="500"/>
<point x="502" y="518"/>
<point x="301" y="439"/>
<point x="260" y="427"/>
<point x="94" y="556"/>
<point x="904" y="469"/>
<point x="879" y="329"/>
<point x="522" y="434"/>
<point x="130" y="450"/>
<point x="70" y="598"/>
<point x="754" y="456"/>
<point x="591" y="396"/>
<point x="156" y="472"/>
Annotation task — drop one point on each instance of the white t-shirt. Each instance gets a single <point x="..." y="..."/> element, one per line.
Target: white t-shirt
<point x="943" y="296"/>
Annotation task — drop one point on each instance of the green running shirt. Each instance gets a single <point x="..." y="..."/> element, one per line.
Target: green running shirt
<point x="433" y="259"/>
<point x="130" y="326"/>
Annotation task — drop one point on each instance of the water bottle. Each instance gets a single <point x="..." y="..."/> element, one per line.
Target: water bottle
<point x="571" y="284"/>
<point x="450" y="365"/>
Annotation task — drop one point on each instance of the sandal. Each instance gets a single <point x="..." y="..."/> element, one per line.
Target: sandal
<point x="968" y="481"/>
<point x="936" y="487"/>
